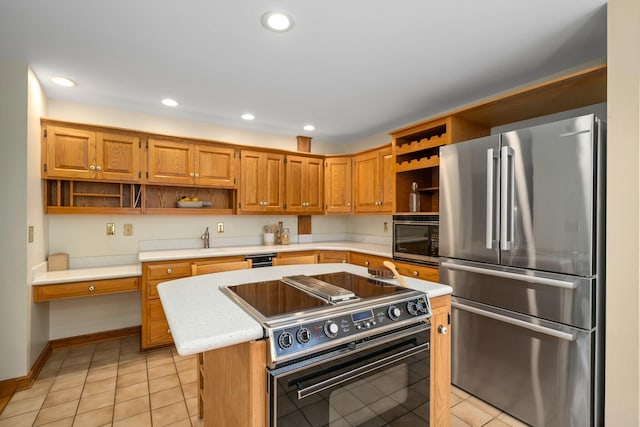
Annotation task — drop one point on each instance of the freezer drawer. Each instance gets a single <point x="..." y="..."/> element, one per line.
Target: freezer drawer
<point x="559" y="298"/>
<point x="536" y="371"/>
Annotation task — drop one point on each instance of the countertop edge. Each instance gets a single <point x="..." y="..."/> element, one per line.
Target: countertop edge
<point x="85" y="274"/>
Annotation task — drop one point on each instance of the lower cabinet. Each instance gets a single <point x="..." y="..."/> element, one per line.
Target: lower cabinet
<point x="333" y="256"/>
<point x="232" y="380"/>
<point x="155" y="328"/>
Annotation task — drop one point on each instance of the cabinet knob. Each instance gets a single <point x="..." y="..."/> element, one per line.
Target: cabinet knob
<point x="98" y="168"/>
<point x="442" y="330"/>
<point x="169" y="330"/>
<point x="92" y="288"/>
<point x="366" y="263"/>
<point x="197" y="175"/>
<point x="349" y="204"/>
<point x="192" y="174"/>
<point x="415" y="273"/>
<point x="344" y="261"/>
<point x="169" y="271"/>
<point x="92" y="167"/>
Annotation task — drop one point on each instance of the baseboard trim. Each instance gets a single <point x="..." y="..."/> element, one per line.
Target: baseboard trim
<point x="10" y="386"/>
<point x="94" y="337"/>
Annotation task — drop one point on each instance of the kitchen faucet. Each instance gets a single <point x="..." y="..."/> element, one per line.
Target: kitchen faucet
<point x="205" y="237"/>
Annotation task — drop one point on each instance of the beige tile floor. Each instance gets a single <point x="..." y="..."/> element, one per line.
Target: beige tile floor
<point x="111" y="383"/>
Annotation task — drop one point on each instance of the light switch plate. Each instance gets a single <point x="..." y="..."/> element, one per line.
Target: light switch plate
<point x="111" y="229"/>
<point x="127" y="230"/>
<point x="221" y="227"/>
<point x="31" y="234"/>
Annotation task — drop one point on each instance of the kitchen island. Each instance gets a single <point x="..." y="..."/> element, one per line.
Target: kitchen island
<point x="232" y="351"/>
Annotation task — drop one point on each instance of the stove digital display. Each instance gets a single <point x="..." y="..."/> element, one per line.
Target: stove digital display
<point x="363" y="315"/>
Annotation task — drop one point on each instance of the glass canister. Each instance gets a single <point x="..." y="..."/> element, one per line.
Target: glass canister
<point x="414" y="198"/>
<point x="285" y="237"/>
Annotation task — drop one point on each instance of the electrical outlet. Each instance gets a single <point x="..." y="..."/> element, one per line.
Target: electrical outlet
<point x="31" y="234"/>
<point x="111" y="229"/>
<point x="221" y="227"/>
<point x="127" y="230"/>
<point x="386" y="227"/>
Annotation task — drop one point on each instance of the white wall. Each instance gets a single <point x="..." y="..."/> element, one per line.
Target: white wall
<point x="37" y="250"/>
<point x="14" y="323"/>
<point x="622" y="375"/>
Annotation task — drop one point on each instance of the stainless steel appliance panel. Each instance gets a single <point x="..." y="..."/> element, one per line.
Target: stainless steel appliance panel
<point x="548" y="198"/>
<point x="537" y="371"/>
<point x="469" y="199"/>
<point x="559" y="298"/>
<point x="415" y="238"/>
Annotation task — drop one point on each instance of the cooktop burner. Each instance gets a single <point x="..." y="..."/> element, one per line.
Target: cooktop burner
<point x="285" y="296"/>
<point x="303" y="315"/>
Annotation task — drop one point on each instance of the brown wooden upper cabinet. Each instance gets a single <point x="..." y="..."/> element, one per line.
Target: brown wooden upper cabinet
<point x="373" y="181"/>
<point x="188" y="163"/>
<point x="79" y="153"/>
<point x="262" y="182"/>
<point x="338" y="185"/>
<point x="304" y="184"/>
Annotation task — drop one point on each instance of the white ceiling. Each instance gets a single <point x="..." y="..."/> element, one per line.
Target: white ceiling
<point x="350" y="67"/>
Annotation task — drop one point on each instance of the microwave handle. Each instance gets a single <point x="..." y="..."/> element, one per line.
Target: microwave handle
<point x="358" y="372"/>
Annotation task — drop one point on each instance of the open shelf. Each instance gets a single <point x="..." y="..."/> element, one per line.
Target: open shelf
<point x="63" y="196"/>
<point x="164" y="199"/>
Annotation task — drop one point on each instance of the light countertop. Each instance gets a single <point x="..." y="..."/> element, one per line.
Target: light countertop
<point x="367" y="248"/>
<point x="84" y="274"/>
<point x="202" y="318"/>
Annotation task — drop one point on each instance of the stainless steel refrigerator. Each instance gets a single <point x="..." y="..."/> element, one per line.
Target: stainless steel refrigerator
<point x="522" y="244"/>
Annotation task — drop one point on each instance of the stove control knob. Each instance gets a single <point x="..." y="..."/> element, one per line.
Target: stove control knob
<point x="412" y="308"/>
<point x="394" y="312"/>
<point x="285" y="340"/>
<point x="303" y="335"/>
<point x="331" y="329"/>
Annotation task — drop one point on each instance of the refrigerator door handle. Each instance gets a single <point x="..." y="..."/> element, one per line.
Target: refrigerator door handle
<point x="507" y="275"/>
<point x="516" y="322"/>
<point x="490" y="182"/>
<point x="506" y="199"/>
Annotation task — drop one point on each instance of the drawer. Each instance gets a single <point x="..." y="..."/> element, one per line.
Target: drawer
<point x="152" y="288"/>
<point x="85" y="288"/>
<point x="155" y="311"/>
<point x="365" y="260"/>
<point x="333" y="256"/>
<point x="417" y="271"/>
<point x="168" y="271"/>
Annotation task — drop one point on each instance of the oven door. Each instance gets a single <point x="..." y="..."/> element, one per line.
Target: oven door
<point x="383" y="381"/>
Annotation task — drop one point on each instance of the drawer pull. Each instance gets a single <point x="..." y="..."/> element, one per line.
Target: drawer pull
<point x="169" y="330"/>
<point x="442" y="330"/>
<point x="92" y="288"/>
<point x="366" y="263"/>
<point x="169" y="271"/>
<point x="416" y="273"/>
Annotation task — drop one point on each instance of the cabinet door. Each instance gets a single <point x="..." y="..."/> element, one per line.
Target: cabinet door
<point x="215" y="166"/>
<point x="337" y="185"/>
<point x="170" y="162"/>
<point x="314" y="185"/>
<point x="118" y="157"/>
<point x="333" y="256"/>
<point x="295" y="183"/>
<point x="440" y="361"/>
<point x="367" y="172"/>
<point x="70" y="153"/>
<point x="304" y="184"/>
<point x="272" y="183"/>
<point x="250" y="181"/>
<point x="385" y="182"/>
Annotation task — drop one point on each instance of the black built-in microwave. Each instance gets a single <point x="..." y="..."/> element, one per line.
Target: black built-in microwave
<point x="415" y="238"/>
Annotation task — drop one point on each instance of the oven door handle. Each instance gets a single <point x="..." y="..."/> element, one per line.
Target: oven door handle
<point x="358" y="372"/>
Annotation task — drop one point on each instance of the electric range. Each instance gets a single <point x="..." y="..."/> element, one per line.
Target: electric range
<point x="306" y="316"/>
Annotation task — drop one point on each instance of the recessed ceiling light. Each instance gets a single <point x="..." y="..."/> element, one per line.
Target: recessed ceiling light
<point x="170" y="102"/>
<point x="63" y="81"/>
<point x="248" y="116"/>
<point x="277" y="21"/>
<point x="309" y="127"/>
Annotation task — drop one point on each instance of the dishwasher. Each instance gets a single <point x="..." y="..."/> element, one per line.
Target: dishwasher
<point x="260" y="260"/>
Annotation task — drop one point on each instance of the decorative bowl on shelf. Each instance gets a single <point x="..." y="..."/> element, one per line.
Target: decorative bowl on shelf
<point x="190" y="204"/>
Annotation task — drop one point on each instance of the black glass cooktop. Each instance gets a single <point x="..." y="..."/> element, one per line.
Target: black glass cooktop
<point x="274" y="297"/>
